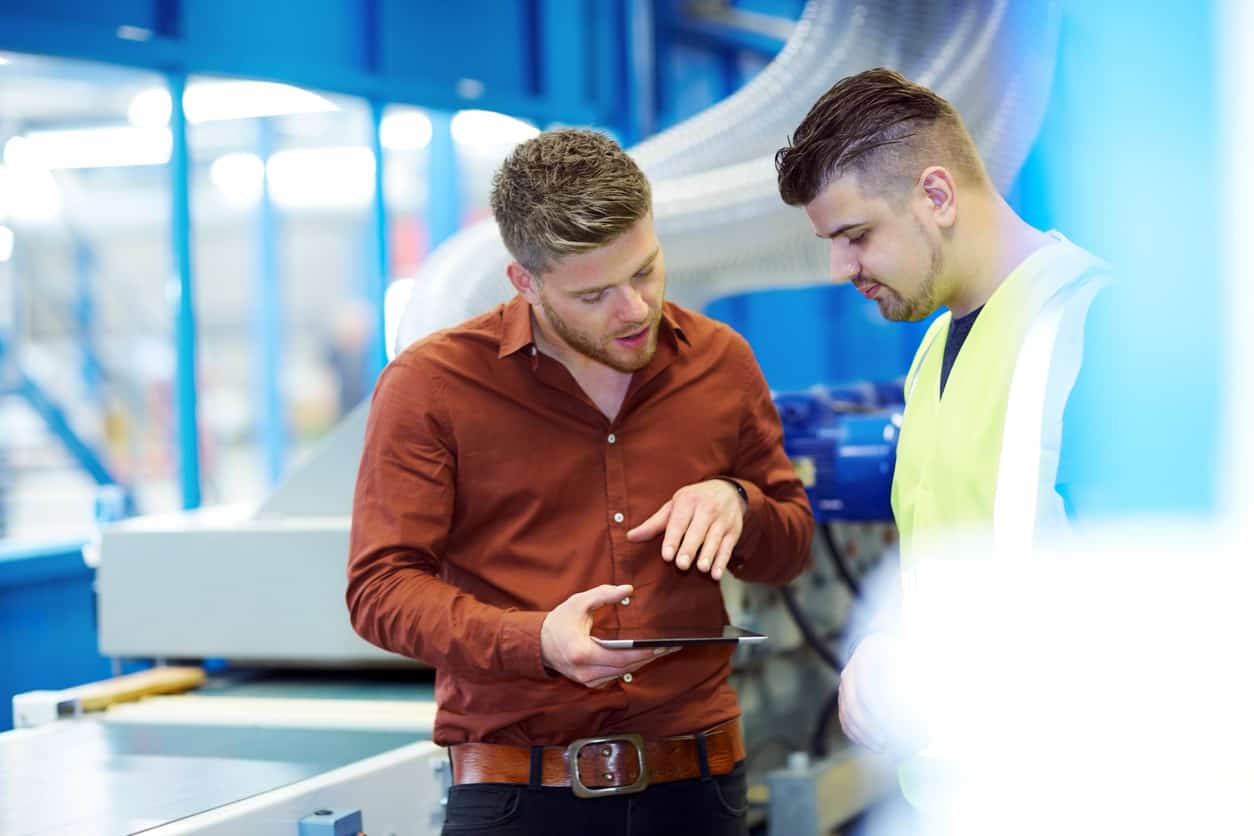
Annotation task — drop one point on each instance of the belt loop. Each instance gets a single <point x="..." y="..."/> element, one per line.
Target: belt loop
<point x="536" y="777"/>
<point x="703" y="755"/>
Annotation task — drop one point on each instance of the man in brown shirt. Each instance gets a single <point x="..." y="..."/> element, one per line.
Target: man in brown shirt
<point x="584" y="458"/>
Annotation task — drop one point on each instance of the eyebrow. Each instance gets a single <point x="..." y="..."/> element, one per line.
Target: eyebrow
<point x="840" y="230"/>
<point x="648" y="262"/>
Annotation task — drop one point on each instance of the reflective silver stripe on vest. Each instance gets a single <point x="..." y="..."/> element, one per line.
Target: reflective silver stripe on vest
<point x="1045" y="372"/>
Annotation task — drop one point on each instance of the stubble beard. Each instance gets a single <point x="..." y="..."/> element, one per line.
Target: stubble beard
<point x="601" y="351"/>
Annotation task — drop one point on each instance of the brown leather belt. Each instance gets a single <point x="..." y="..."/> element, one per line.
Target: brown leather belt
<point x="611" y="765"/>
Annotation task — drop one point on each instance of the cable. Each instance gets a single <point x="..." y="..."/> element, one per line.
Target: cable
<point x="807" y="630"/>
<point x="838" y="560"/>
<point x="818" y="743"/>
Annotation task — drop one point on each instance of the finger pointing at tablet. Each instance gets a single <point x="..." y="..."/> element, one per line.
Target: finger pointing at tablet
<point x="701" y="525"/>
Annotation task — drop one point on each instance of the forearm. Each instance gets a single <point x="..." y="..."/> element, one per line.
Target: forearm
<point x="403" y="607"/>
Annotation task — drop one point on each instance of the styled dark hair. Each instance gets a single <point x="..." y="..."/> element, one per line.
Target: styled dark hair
<point x="566" y="191"/>
<point x="880" y="126"/>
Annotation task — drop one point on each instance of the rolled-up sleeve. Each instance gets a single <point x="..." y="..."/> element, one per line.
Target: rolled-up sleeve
<point x="402" y="511"/>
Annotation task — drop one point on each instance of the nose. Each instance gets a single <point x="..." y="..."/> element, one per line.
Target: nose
<point x="842" y="264"/>
<point x="632" y="305"/>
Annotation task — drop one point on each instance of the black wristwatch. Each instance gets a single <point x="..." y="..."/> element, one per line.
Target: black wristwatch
<point x="740" y="489"/>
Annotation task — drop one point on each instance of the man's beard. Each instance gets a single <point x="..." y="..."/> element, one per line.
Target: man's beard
<point x="923" y="302"/>
<point x="600" y="352"/>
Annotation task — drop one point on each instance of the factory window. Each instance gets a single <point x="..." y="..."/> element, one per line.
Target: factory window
<point x="86" y="354"/>
<point x="284" y="243"/>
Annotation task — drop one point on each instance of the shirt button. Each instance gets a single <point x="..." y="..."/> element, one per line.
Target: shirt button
<point x="627" y="678"/>
<point x="618" y="517"/>
<point x="626" y="601"/>
<point x="612" y="438"/>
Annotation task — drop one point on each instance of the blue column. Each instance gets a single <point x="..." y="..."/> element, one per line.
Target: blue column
<point x="444" y="188"/>
<point x="85" y="320"/>
<point x="185" y="318"/>
<point x="269" y="320"/>
<point x="378" y="277"/>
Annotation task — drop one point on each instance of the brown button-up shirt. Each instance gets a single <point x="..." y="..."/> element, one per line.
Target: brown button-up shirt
<point x="491" y="489"/>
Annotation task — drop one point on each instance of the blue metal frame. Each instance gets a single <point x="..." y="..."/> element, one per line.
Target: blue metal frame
<point x="269" y="319"/>
<point x="308" y="51"/>
<point x="380" y="275"/>
<point x="444" y="193"/>
<point x="85" y="320"/>
<point x="54" y="417"/>
<point x="185" y="318"/>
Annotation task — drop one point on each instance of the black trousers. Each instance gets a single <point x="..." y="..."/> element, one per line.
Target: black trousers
<point x="713" y="806"/>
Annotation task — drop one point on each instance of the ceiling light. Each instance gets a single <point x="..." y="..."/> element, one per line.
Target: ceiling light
<point x="486" y="129"/>
<point x="405" y="129"/>
<point x="218" y="101"/>
<point x="239" y="177"/>
<point x="337" y="177"/>
<point x="90" y="148"/>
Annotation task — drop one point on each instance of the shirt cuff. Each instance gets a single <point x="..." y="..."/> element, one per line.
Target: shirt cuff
<point x="749" y="533"/>
<point x="519" y="646"/>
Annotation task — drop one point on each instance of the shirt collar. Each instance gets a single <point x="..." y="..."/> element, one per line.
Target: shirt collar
<point x="516" y="333"/>
<point x="515" y="326"/>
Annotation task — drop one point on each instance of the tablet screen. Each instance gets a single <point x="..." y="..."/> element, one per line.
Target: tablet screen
<point x="670" y="636"/>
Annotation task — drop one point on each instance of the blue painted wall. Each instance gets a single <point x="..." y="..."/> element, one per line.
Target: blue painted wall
<point x="1128" y="165"/>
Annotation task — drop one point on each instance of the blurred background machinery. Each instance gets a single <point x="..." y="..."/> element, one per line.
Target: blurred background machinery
<point x="195" y="299"/>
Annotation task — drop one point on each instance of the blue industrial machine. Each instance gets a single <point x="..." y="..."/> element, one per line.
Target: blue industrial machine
<point x="843" y="442"/>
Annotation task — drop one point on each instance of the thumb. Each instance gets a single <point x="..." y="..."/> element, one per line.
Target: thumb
<point x="653" y="526"/>
<point x="598" y="597"/>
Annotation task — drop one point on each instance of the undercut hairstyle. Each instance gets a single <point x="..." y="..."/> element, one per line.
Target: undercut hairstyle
<point x="880" y="127"/>
<point x="564" y="192"/>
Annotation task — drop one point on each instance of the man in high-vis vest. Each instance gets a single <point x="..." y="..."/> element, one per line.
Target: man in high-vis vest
<point x="888" y="173"/>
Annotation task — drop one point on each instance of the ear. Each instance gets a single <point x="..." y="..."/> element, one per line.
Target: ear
<point x="525" y="283"/>
<point x="940" y="195"/>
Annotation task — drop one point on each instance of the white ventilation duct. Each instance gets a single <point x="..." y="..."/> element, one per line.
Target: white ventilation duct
<point x="717" y="210"/>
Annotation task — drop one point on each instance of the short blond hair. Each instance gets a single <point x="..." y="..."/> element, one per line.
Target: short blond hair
<point x="566" y="191"/>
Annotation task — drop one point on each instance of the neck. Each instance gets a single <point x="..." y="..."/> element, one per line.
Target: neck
<point x="999" y="241"/>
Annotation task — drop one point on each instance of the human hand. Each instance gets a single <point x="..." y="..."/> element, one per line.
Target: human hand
<point x="566" y="643"/>
<point x="702" y="522"/>
<point x="875" y="698"/>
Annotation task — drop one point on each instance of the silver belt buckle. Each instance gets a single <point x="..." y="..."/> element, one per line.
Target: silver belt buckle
<point x="577" y="785"/>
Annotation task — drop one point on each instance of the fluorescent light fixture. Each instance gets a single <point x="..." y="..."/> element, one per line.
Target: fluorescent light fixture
<point x="239" y="177"/>
<point x="328" y="178"/>
<point x="6" y="244"/>
<point x="150" y="108"/>
<point x="28" y="193"/>
<point x="488" y="130"/>
<point x="217" y="101"/>
<point x="405" y="129"/>
<point x="220" y="100"/>
<point x="91" y="148"/>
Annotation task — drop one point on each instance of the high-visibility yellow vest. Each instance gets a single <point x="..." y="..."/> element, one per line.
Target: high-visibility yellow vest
<point x="985" y="455"/>
<point x="982" y="460"/>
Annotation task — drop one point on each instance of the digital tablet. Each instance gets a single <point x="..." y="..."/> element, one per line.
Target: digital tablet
<point x="672" y="636"/>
